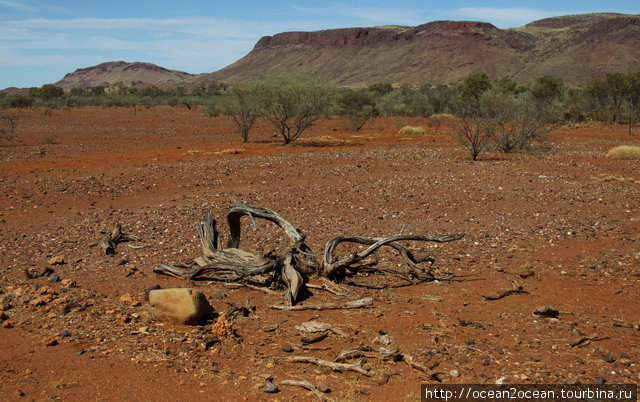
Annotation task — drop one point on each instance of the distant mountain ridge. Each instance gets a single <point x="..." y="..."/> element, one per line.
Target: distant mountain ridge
<point x="575" y="47"/>
<point x="139" y="73"/>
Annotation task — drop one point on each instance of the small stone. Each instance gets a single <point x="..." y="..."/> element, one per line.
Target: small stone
<point x="546" y="311"/>
<point x="54" y="278"/>
<point x="609" y="358"/>
<point x="625" y="361"/>
<point x="128" y="299"/>
<point x="323" y="386"/>
<point x="57" y="260"/>
<point x="65" y="334"/>
<point x="51" y="341"/>
<point x="287" y="348"/>
<point x="209" y="342"/>
<point x="69" y="283"/>
<point x="454" y="373"/>
<point x="600" y="381"/>
<point x="270" y="388"/>
<point x="3" y="316"/>
<point x="7" y="324"/>
<point x="19" y="393"/>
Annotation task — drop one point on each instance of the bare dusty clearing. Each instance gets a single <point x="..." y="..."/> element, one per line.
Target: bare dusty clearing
<point x="563" y="223"/>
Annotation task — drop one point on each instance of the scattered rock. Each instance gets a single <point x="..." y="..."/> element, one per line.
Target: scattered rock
<point x="3" y="317"/>
<point x="7" y="324"/>
<point x="53" y="341"/>
<point x="69" y="283"/>
<point x="609" y="358"/>
<point x="454" y="373"/>
<point x="128" y="299"/>
<point x="287" y="348"/>
<point x="546" y="311"/>
<point x="209" y="342"/>
<point x="54" y="278"/>
<point x="65" y="334"/>
<point x="57" y="260"/>
<point x="179" y="305"/>
<point x="323" y="386"/>
<point x="600" y="381"/>
<point x="270" y="388"/>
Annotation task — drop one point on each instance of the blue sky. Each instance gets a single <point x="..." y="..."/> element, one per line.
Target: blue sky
<point x="41" y="40"/>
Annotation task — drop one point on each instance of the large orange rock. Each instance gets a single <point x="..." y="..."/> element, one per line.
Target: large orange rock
<point x="179" y="305"/>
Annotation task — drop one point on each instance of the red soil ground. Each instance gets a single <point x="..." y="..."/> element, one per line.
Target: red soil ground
<point x="562" y="221"/>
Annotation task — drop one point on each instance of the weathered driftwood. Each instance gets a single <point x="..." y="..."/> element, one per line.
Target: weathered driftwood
<point x="357" y="366"/>
<point x="360" y="303"/>
<point x="292" y="269"/>
<point x="109" y="242"/>
<point x="306" y="385"/>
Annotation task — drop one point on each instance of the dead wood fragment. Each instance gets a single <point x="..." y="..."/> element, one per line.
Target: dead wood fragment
<point x="421" y="367"/>
<point x="292" y="269"/>
<point x="306" y="385"/>
<point x="314" y="326"/>
<point x="313" y="337"/>
<point x="357" y="367"/>
<point x="624" y="324"/>
<point x="586" y="340"/>
<point x="516" y="289"/>
<point x="361" y="303"/>
<point x="109" y="242"/>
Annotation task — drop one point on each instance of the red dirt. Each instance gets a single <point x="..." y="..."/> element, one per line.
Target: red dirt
<point x="566" y="213"/>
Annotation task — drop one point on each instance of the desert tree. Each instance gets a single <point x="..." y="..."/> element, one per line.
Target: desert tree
<point x="241" y="104"/>
<point x="293" y="102"/>
<point x="356" y="107"/>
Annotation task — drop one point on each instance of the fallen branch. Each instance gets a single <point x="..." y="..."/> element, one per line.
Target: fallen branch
<point x="357" y="367"/>
<point x="420" y="367"/>
<point x="306" y="385"/>
<point x="517" y="289"/>
<point x="366" y="302"/>
<point x="109" y="242"/>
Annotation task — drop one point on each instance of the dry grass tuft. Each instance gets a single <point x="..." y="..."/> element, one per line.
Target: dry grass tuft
<point x="624" y="152"/>
<point x="408" y="130"/>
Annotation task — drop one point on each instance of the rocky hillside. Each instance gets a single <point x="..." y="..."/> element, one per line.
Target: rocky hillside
<point x="109" y="73"/>
<point x="574" y="47"/>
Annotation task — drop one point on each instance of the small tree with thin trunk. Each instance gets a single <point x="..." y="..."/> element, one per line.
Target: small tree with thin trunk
<point x="294" y="102"/>
<point x="242" y="105"/>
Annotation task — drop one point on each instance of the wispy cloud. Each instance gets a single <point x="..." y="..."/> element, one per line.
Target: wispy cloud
<point x="16" y="5"/>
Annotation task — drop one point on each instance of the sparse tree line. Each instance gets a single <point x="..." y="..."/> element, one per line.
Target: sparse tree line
<point x="499" y="113"/>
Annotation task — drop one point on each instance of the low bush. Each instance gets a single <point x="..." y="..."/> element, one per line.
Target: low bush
<point x="624" y="152"/>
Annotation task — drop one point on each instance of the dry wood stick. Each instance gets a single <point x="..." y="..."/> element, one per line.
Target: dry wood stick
<point x="366" y="302"/>
<point x="306" y="385"/>
<point x="357" y="367"/>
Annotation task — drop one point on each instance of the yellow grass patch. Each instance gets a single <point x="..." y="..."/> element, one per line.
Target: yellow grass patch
<point x="408" y="130"/>
<point x="624" y="152"/>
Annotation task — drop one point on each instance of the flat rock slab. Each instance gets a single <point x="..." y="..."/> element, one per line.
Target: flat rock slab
<point x="179" y="305"/>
